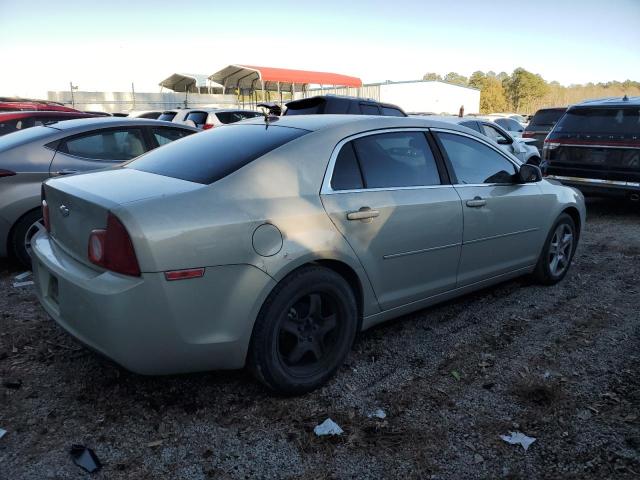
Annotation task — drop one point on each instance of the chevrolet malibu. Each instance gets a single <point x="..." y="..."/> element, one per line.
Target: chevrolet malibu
<point x="272" y="243"/>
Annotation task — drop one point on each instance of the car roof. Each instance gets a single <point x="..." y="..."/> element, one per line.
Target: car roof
<point x="100" y="122"/>
<point x="609" y="102"/>
<point x="43" y="113"/>
<point x="325" y="121"/>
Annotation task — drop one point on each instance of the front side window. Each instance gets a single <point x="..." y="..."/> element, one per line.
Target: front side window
<point x="165" y="135"/>
<point x="476" y="163"/>
<point x="106" y="145"/>
<point x="386" y="160"/>
<point x="392" y="112"/>
<point x="471" y="125"/>
<point x="509" y="125"/>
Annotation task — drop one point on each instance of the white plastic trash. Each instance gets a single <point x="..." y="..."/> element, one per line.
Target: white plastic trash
<point x="378" y="413"/>
<point x="328" y="427"/>
<point x="2" y="432"/>
<point x="518" y="438"/>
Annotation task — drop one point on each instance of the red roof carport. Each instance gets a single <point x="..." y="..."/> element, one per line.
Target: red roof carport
<point x="250" y="77"/>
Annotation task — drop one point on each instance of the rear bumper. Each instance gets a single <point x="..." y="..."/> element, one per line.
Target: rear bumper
<point x="599" y="186"/>
<point x="146" y="324"/>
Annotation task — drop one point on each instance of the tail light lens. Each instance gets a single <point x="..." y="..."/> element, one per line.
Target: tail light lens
<point x="6" y="173"/>
<point x="207" y="126"/>
<point x="45" y="210"/>
<point x="526" y="134"/>
<point x="111" y="248"/>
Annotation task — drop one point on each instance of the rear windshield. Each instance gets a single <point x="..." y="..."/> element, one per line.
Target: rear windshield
<point x="214" y="154"/>
<point x="310" y="106"/>
<point x="167" y="116"/>
<point x="614" y="120"/>
<point x="546" y="117"/>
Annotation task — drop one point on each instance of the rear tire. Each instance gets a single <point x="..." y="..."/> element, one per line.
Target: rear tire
<point x="304" y="331"/>
<point x="556" y="256"/>
<point x="21" y="234"/>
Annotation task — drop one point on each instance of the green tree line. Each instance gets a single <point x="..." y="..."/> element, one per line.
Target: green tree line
<point x="525" y="92"/>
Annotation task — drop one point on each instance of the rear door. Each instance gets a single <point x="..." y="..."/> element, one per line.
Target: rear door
<point x="503" y="220"/>
<point x="97" y="149"/>
<point x="389" y="196"/>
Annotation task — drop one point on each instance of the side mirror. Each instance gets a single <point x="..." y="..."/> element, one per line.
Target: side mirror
<point x="504" y="141"/>
<point x="529" y="174"/>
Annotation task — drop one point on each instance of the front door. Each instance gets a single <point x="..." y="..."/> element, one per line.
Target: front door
<point x="388" y="196"/>
<point x="503" y="220"/>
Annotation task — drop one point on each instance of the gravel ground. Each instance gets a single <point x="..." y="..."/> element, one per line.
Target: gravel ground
<point x="557" y="363"/>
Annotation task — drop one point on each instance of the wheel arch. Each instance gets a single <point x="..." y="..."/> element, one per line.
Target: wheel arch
<point x="575" y="216"/>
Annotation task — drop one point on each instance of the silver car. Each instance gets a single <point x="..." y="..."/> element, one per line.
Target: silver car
<point x="272" y="244"/>
<point x="30" y="156"/>
<point x="522" y="148"/>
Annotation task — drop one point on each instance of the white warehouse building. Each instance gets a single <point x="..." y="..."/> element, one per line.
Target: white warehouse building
<point x="414" y="96"/>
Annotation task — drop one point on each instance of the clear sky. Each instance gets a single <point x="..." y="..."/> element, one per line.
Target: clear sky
<point x="107" y="45"/>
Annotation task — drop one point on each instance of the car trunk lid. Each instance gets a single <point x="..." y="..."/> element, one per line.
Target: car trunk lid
<point x="80" y="204"/>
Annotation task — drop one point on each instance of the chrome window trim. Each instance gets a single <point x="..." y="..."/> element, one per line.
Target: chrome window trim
<point x="515" y="162"/>
<point x="326" y="188"/>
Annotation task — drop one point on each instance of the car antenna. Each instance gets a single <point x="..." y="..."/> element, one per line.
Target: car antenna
<point x="270" y="109"/>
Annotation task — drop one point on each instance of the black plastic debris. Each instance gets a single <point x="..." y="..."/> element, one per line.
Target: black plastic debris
<point x="13" y="384"/>
<point x="86" y="458"/>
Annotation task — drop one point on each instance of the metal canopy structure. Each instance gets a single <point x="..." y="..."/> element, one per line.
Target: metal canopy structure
<point x="252" y="78"/>
<point x="190" y="82"/>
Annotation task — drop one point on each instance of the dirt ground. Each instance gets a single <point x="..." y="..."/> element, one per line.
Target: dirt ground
<point x="560" y="364"/>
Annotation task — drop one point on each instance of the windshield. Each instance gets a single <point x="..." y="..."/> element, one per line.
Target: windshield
<point x="214" y="154"/>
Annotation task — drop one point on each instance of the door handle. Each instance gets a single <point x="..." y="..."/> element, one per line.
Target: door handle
<point x="66" y="171"/>
<point x="365" y="213"/>
<point x="476" y="202"/>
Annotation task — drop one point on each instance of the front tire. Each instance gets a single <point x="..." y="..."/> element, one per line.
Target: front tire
<point x="555" y="260"/>
<point x="304" y="331"/>
<point x="22" y="233"/>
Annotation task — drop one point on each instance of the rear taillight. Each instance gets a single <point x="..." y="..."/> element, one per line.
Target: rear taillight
<point x="111" y="248"/>
<point x="207" y="126"/>
<point x="526" y="134"/>
<point x="6" y="173"/>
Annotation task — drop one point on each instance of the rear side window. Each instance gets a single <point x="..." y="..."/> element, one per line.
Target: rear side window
<point x="164" y="135"/>
<point x="309" y="106"/>
<point x="167" y="116"/>
<point x="475" y="163"/>
<point x="216" y="153"/>
<point x="106" y="145"/>
<point x="369" y="109"/>
<point x="546" y="118"/>
<point x="233" y="117"/>
<point x="346" y="173"/>
<point x="386" y="160"/>
<point x="617" y="121"/>
<point x="199" y="118"/>
<point x="392" y="112"/>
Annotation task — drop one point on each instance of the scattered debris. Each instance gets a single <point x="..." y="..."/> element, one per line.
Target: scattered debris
<point x="456" y="375"/>
<point x="378" y="413"/>
<point x="328" y="427"/>
<point x="12" y="384"/>
<point x="22" y="284"/>
<point x="477" y="458"/>
<point x="85" y="458"/>
<point x="3" y="432"/>
<point x="518" y="438"/>
<point x="155" y="443"/>
<point x="22" y="276"/>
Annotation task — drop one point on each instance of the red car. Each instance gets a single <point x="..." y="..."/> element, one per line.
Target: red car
<point x="13" y="105"/>
<point x="14" y="121"/>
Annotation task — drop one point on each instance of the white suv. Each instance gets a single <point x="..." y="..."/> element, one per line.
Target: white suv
<point x="205" y="118"/>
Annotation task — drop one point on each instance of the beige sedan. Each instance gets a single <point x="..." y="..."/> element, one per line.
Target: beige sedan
<point x="272" y="244"/>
